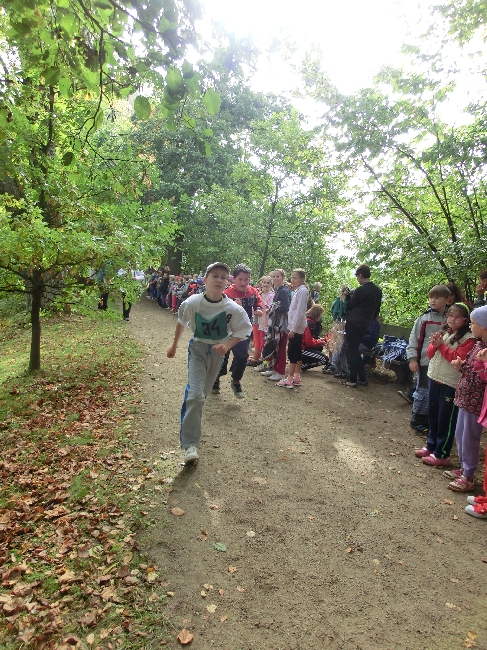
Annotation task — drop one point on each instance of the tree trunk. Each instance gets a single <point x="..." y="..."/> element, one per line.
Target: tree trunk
<point x="35" y="319"/>
<point x="175" y="256"/>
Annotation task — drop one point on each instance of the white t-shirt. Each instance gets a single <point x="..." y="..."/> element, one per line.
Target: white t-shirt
<point x="238" y="324"/>
<point x="297" y="310"/>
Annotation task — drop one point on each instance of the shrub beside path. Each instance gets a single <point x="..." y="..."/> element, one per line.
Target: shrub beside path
<point x="308" y="523"/>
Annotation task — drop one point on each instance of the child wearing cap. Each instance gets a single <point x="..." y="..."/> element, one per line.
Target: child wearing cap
<point x="217" y="324"/>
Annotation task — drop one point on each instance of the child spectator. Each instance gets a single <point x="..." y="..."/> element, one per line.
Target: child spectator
<point x="164" y="288"/>
<point x="217" y="325"/>
<point x="339" y="310"/>
<point x="453" y="341"/>
<point x="312" y="342"/>
<point x="315" y="292"/>
<point x="477" y="506"/>
<point x="247" y="297"/>
<point x="297" y="325"/>
<point x="278" y="324"/>
<point x="267" y="297"/>
<point x="429" y="322"/>
<point x="468" y="397"/>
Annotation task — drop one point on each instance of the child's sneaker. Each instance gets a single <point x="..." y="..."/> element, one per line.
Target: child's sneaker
<point x="479" y="511"/>
<point x="422" y="453"/>
<point x="452" y="473"/>
<point x="286" y="383"/>
<point x="476" y="501"/>
<point x="329" y="370"/>
<point x="436" y="462"/>
<point x="275" y="376"/>
<point x="297" y="381"/>
<point x="191" y="454"/>
<point x="237" y="389"/>
<point x="461" y="484"/>
<point x="216" y="387"/>
<point x="267" y="373"/>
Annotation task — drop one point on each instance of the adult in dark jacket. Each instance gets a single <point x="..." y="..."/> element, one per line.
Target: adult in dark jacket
<point x="363" y="308"/>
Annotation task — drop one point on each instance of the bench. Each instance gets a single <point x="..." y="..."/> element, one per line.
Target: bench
<point x="400" y="368"/>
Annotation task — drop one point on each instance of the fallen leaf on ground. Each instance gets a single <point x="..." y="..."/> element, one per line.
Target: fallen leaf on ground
<point x="449" y="502"/>
<point x="207" y="587"/>
<point x="452" y="606"/>
<point x="250" y="533"/>
<point x="185" y="637"/>
<point x="241" y="589"/>
<point x="218" y="546"/>
<point x="211" y="608"/>
<point x="177" y="512"/>
<point x="232" y="569"/>
<point x="471" y="640"/>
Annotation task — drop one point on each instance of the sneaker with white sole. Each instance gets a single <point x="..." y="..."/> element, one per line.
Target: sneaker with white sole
<point x="267" y="373"/>
<point x="285" y="383"/>
<point x="237" y="390"/>
<point x="479" y="511"/>
<point x="191" y="454"/>
<point x="477" y="500"/>
<point x="275" y="377"/>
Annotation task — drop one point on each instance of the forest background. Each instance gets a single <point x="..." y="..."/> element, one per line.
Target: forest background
<point x="126" y="140"/>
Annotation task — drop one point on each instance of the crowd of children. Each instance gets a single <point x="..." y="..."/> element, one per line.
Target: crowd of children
<point x="447" y="352"/>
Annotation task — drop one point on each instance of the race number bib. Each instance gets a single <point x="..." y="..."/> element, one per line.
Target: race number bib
<point x="215" y="330"/>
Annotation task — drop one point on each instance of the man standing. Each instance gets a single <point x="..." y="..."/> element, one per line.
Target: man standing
<point x="363" y="308"/>
<point x="249" y="298"/>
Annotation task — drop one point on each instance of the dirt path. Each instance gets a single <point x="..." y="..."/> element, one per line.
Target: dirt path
<point x="335" y="535"/>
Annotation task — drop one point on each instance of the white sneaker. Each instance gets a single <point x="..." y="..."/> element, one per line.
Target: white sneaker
<point x="191" y="454"/>
<point x="275" y="376"/>
<point x="267" y="373"/>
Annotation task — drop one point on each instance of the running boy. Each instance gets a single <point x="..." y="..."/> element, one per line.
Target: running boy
<point x="430" y="321"/>
<point x="217" y="324"/>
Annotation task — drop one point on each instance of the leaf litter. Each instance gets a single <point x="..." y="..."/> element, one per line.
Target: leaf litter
<point x="68" y="554"/>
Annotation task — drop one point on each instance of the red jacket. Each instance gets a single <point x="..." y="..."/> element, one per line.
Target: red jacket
<point x="250" y="298"/>
<point x="309" y="341"/>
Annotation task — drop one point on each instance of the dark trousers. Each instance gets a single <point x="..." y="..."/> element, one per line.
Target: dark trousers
<point x="103" y="300"/>
<point x="125" y="308"/>
<point x="355" y="334"/>
<point x="239" y="363"/>
<point x="442" y="416"/>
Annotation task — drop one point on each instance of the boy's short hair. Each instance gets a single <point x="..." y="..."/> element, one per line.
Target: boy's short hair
<point x="483" y="275"/>
<point x="317" y="286"/>
<point x="439" y="291"/>
<point x="241" y="268"/>
<point x="363" y="270"/>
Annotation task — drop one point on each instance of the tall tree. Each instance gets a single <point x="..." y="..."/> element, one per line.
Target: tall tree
<point x="65" y="201"/>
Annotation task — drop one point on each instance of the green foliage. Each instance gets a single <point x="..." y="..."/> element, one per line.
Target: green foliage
<point x="71" y="182"/>
<point x="423" y="214"/>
